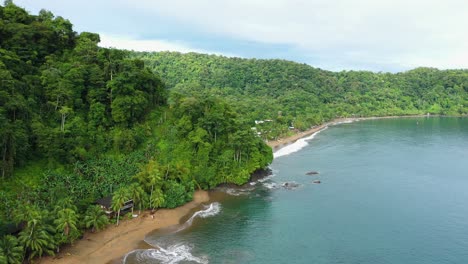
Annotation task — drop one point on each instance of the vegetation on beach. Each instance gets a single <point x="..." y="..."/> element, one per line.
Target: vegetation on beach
<point x="80" y="122"/>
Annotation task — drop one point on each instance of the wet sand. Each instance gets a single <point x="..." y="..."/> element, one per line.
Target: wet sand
<point x="111" y="244"/>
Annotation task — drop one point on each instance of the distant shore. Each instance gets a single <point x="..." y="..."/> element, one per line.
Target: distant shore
<point x="111" y="244"/>
<point x="282" y="142"/>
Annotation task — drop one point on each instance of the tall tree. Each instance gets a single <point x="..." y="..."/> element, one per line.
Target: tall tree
<point x="66" y="225"/>
<point x="119" y="198"/>
<point x="137" y="194"/>
<point x="95" y="218"/>
<point x="37" y="237"/>
<point x="151" y="178"/>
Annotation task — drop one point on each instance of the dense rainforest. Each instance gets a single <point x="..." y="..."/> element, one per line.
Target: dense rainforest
<point x="300" y="96"/>
<point x="80" y="122"/>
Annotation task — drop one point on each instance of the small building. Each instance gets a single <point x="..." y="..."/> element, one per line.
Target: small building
<point x="106" y="205"/>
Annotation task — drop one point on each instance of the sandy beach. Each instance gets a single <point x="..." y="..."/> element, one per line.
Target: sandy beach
<point x="111" y="244"/>
<point x="277" y="144"/>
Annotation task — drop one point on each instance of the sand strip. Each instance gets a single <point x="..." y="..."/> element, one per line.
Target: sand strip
<point x="116" y="241"/>
<point x="282" y="142"/>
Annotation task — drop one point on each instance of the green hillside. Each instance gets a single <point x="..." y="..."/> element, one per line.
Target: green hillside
<point x="80" y="122"/>
<point x="299" y="95"/>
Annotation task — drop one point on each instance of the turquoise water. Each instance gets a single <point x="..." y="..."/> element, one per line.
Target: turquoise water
<point x="392" y="191"/>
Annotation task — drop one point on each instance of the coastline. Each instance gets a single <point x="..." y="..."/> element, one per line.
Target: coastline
<point x="107" y="246"/>
<point x="282" y="142"/>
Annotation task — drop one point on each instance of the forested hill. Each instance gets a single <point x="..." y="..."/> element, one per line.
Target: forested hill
<point x="80" y="122"/>
<point x="299" y="95"/>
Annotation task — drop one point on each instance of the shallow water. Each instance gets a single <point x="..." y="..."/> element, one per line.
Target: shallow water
<point x="392" y="191"/>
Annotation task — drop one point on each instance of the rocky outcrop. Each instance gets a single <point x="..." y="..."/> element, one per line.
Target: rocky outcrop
<point x="290" y="185"/>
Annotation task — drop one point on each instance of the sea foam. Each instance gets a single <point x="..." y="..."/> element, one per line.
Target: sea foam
<point x="296" y="146"/>
<point x="166" y="251"/>
<point x="170" y="255"/>
<point x="209" y="210"/>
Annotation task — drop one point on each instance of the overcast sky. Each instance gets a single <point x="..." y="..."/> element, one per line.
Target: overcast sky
<point x="377" y="35"/>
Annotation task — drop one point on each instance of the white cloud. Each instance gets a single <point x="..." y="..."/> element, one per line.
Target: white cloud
<point x="130" y="43"/>
<point x="332" y="34"/>
<point x="399" y="32"/>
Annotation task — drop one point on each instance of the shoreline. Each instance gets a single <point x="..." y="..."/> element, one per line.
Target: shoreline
<point x="114" y="242"/>
<point x="106" y="246"/>
<point x="285" y="141"/>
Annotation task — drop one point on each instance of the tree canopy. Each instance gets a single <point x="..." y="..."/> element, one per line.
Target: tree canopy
<point x="80" y="122"/>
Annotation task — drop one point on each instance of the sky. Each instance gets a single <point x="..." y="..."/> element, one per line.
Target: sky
<point x="376" y="35"/>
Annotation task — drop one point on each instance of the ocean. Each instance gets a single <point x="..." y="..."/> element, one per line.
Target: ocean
<point x="390" y="191"/>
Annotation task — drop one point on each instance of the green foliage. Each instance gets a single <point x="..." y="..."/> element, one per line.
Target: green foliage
<point x="119" y="198"/>
<point x="174" y="194"/>
<point x="37" y="237"/>
<point x="207" y="143"/>
<point x="11" y="250"/>
<point x="297" y="95"/>
<point x="80" y="122"/>
<point x="95" y="218"/>
<point x="62" y="95"/>
<point x="66" y="221"/>
<point x="137" y="194"/>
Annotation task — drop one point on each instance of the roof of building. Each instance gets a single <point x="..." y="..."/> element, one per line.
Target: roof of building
<point x="105" y="201"/>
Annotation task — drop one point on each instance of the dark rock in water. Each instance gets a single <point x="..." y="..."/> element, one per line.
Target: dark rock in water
<point x="316" y="181"/>
<point x="290" y="185"/>
<point x="312" y="173"/>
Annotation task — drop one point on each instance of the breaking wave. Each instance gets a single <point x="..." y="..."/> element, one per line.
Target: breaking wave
<point x="209" y="210"/>
<point x="238" y="191"/>
<point x="170" y="255"/>
<point x="296" y="146"/>
<point x="167" y="250"/>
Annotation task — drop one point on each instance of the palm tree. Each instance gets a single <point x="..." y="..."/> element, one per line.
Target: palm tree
<point x="3" y="258"/>
<point x="118" y="200"/>
<point x="95" y="218"/>
<point x="64" y="204"/>
<point x="150" y="178"/>
<point x="137" y="194"/>
<point x="37" y="238"/>
<point x="24" y="213"/>
<point x="11" y="250"/>
<point x="66" y="224"/>
<point x="156" y="199"/>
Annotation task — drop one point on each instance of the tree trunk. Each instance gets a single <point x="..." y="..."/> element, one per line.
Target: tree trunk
<point x="62" y="127"/>
<point x="111" y="96"/>
<point x="57" y="103"/>
<point x="151" y="196"/>
<point x="4" y="161"/>
<point x="118" y="216"/>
